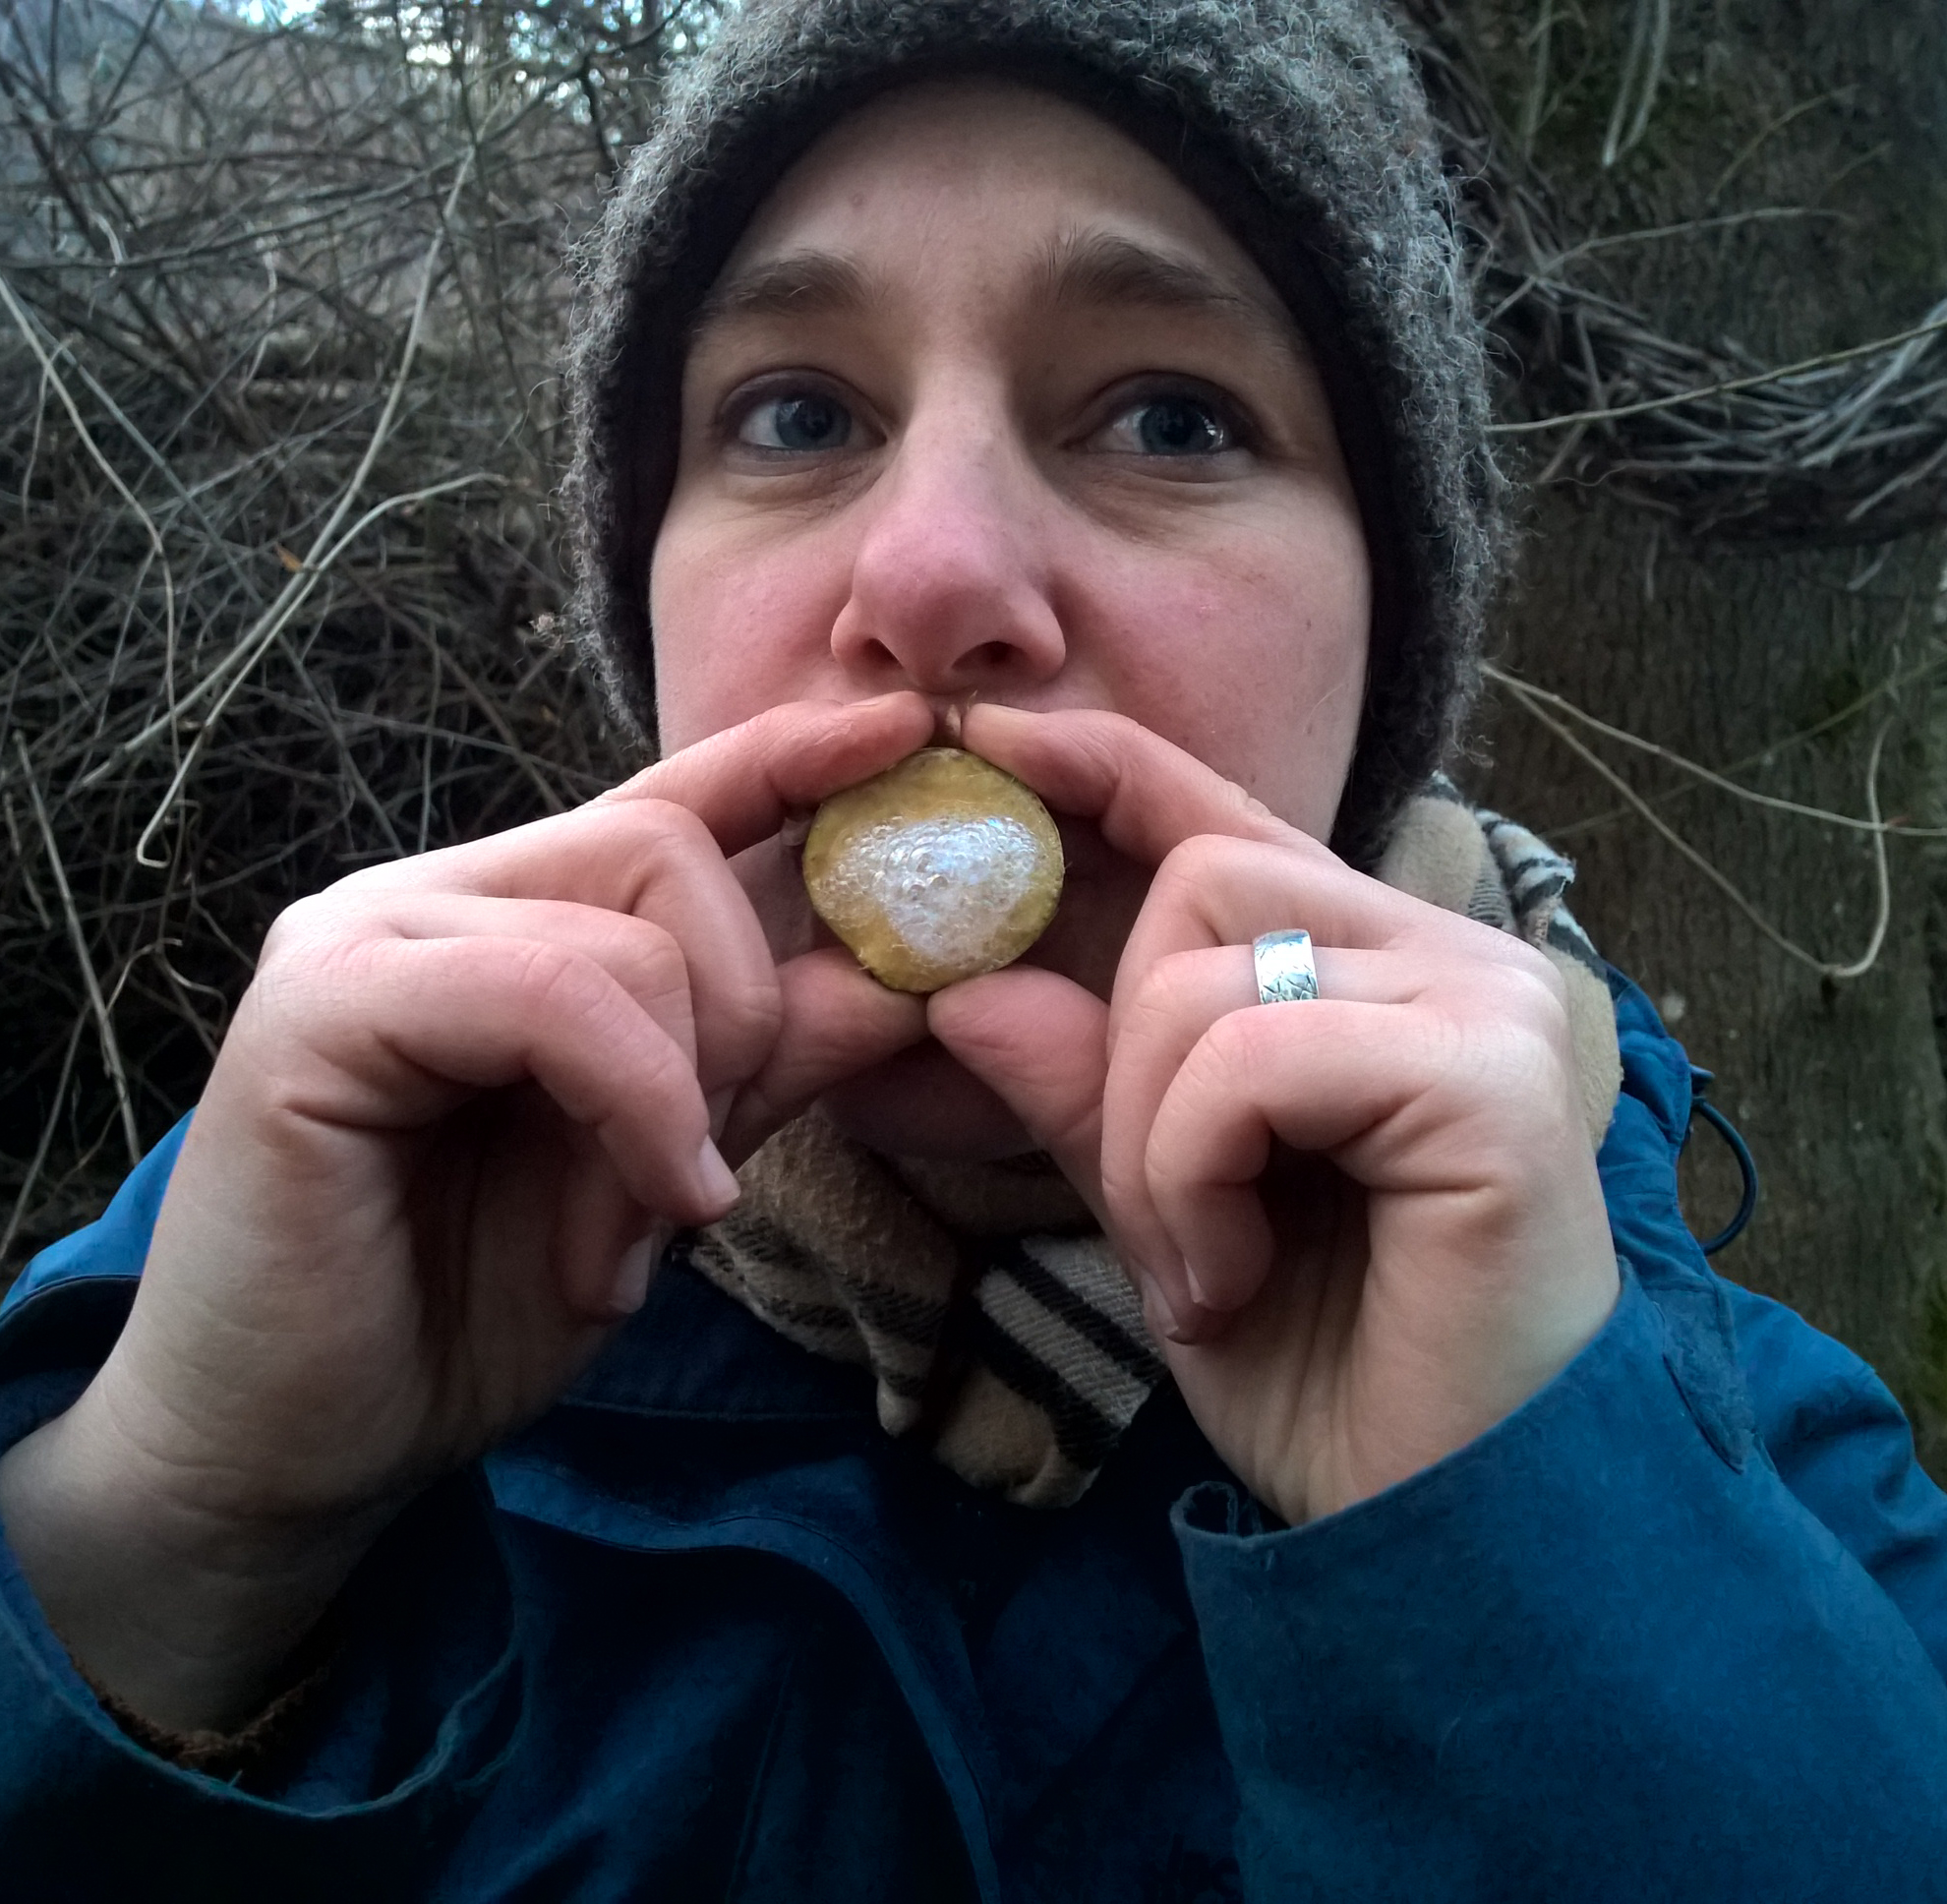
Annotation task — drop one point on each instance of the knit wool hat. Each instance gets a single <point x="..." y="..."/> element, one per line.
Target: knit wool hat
<point x="1300" y="123"/>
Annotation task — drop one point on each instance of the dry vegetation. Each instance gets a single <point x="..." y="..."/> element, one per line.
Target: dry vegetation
<point x="280" y="309"/>
<point x="1847" y="447"/>
<point x="278" y="428"/>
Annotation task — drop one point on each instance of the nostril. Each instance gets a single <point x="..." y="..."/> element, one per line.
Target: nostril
<point x="991" y="656"/>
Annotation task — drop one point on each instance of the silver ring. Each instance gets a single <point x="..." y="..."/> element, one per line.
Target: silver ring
<point x="1287" y="973"/>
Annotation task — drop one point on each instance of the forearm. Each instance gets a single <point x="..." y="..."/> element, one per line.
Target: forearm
<point x="183" y="1618"/>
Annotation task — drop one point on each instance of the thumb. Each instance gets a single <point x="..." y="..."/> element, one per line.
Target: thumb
<point x="1040" y="1044"/>
<point x="837" y="1020"/>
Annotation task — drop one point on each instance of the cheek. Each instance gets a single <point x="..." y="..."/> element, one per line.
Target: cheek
<point x="741" y="622"/>
<point x="1251" y="657"/>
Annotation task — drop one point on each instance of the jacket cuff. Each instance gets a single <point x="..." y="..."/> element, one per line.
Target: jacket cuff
<point x="391" y="1756"/>
<point x="1594" y="1615"/>
<point x="236" y="1756"/>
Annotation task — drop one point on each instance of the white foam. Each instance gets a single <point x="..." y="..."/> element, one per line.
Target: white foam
<point x="947" y="887"/>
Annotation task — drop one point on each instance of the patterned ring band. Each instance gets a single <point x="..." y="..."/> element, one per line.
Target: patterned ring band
<point x="1287" y="971"/>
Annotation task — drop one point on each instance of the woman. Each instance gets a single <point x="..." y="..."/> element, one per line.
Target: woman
<point x="1313" y="1471"/>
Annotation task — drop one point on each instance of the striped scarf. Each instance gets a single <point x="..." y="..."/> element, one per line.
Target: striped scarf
<point x="999" y="1328"/>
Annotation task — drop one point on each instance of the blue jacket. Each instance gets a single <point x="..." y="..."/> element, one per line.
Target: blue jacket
<point x="1676" y="1629"/>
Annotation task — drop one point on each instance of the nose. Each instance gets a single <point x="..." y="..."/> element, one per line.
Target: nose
<point x="951" y="583"/>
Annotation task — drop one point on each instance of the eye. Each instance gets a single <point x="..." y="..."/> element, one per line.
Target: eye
<point x="798" y="421"/>
<point x="1173" y="423"/>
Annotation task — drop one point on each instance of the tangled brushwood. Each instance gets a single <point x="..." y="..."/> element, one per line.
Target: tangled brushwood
<point x="1846" y="449"/>
<point x="280" y="313"/>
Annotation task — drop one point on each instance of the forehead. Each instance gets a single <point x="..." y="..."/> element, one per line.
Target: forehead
<point x="957" y="179"/>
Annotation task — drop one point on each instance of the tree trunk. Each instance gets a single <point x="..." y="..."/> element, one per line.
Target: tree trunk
<point x="1723" y="651"/>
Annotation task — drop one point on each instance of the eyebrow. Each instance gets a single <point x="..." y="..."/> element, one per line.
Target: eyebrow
<point x="1105" y="270"/>
<point x="801" y="284"/>
<point x="1096" y="269"/>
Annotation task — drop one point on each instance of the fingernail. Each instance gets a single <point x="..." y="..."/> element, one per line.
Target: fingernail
<point x="632" y="1273"/>
<point x="1184" y="1333"/>
<point x="1201" y="1308"/>
<point x="717" y="1105"/>
<point x="1159" y="1316"/>
<point x="715" y="1177"/>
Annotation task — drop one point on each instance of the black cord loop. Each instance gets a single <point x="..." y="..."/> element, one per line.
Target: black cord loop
<point x="1701" y="1107"/>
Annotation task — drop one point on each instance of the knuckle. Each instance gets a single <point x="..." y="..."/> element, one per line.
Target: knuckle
<point x="1529" y="992"/>
<point x="673" y="824"/>
<point x="651" y="954"/>
<point x="293" y="927"/>
<point x="746" y="1021"/>
<point x="1191" y="864"/>
<point x="316" y="935"/>
<point x="560" y="981"/>
<point x="1506" y="1077"/>
<point x="1534" y="965"/>
<point x="1157" y="994"/>
<point x="660" y="834"/>
<point x="1238" y="1037"/>
<point x="1228" y="1049"/>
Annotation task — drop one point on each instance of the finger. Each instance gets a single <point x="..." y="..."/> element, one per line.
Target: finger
<point x="1368" y="1087"/>
<point x="401" y="1032"/>
<point x="745" y="782"/>
<point x="836" y="1021"/>
<point x="697" y="963"/>
<point x="1146" y="795"/>
<point x="644" y="959"/>
<point x="733" y="790"/>
<point x="1195" y="987"/>
<point x="1039" y="1042"/>
<point x="604" y="1244"/>
<point x="1202" y="1211"/>
<point x="1217" y="891"/>
<point x="1238" y="868"/>
<point x="1158" y="1021"/>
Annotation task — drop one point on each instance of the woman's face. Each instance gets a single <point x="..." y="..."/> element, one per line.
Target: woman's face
<point x="985" y="404"/>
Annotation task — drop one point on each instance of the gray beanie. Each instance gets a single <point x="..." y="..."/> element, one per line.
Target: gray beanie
<point x="1299" y="123"/>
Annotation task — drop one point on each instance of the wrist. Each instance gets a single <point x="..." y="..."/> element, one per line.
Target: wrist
<point x="184" y="1615"/>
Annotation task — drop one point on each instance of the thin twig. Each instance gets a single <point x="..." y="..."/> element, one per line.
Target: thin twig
<point x="24" y="1196"/>
<point x="304" y="577"/>
<point x="272" y="630"/>
<point x="1824" y="816"/>
<point x="111" y="1054"/>
<point x="1756" y="381"/>
<point x="1826" y="968"/>
<point x="24" y="325"/>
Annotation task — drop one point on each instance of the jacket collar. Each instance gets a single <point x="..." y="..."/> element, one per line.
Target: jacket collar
<point x="690" y="1353"/>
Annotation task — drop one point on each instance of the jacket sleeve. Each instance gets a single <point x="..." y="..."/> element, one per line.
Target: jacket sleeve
<point x="383" y="1769"/>
<point x="1677" y="1628"/>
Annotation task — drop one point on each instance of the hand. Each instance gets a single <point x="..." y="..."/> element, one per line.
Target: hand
<point x="1365" y="1227"/>
<point x="462" y="1104"/>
